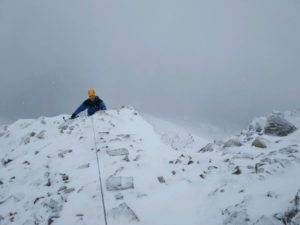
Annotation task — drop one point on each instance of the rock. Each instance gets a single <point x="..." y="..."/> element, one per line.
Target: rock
<point x="26" y="162"/>
<point x="65" y="177"/>
<point x="84" y="166"/>
<point x="50" y="221"/>
<point x="118" y="171"/>
<point x="207" y="148"/>
<point x="69" y="190"/>
<point x="232" y="143"/>
<point x="178" y="161"/>
<point x="62" y="188"/>
<point x="237" y="171"/>
<point x="26" y="139"/>
<point x="43" y="120"/>
<point x="212" y="167"/>
<point x="41" y="135"/>
<point x="119" y="183"/>
<point x="296" y="200"/>
<point x="119" y="196"/>
<point x="272" y="194"/>
<point x="190" y="162"/>
<point x="141" y="195"/>
<point x="37" y="199"/>
<point x="259" y="143"/>
<point x="292" y="214"/>
<point x="259" y="168"/>
<point x="161" y="180"/>
<point x="277" y="125"/>
<point x="126" y="158"/>
<point x="137" y="158"/>
<point x="237" y="218"/>
<point x="263" y="221"/>
<point x="63" y="153"/>
<point x="288" y="151"/>
<point x="5" y="162"/>
<point x="118" y="152"/>
<point x="124" y="213"/>
<point x="48" y="184"/>
<point x="54" y="206"/>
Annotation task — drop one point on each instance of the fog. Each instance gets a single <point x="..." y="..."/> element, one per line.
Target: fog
<point x="220" y="62"/>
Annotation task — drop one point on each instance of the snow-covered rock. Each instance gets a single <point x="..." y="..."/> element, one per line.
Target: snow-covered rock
<point x="277" y="125"/>
<point x="259" y="143"/>
<point x="232" y="143"/>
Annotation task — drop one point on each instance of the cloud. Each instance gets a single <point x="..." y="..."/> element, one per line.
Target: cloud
<point x="220" y="62"/>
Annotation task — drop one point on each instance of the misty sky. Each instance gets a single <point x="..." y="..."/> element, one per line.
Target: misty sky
<point x="221" y="62"/>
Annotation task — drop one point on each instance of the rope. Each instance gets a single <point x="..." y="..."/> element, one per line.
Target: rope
<point x="99" y="172"/>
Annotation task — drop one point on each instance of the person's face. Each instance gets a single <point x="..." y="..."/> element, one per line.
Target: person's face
<point x="92" y="97"/>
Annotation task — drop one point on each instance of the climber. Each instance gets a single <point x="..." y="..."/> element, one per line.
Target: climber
<point x="92" y="104"/>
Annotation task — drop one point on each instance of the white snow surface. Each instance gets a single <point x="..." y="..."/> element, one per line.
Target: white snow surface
<point x="49" y="174"/>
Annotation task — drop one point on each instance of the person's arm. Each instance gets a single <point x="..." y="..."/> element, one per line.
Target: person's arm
<point x="102" y="106"/>
<point x="81" y="108"/>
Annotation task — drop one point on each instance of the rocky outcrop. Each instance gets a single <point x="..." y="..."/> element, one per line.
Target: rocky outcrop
<point x="277" y="125"/>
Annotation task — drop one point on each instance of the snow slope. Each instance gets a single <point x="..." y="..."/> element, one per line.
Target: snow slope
<point x="49" y="174"/>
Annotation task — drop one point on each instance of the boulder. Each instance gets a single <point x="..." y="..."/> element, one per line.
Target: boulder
<point x="119" y="183"/>
<point x="123" y="213"/>
<point x="277" y="125"/>
<point x="259" y="143"/>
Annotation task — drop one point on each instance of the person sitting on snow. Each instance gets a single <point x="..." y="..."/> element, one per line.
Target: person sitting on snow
<point x="92" y="104"/>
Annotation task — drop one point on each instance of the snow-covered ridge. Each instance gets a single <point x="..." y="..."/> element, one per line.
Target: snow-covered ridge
<point x="265" y="161"/>
<point x="49" y="173"/>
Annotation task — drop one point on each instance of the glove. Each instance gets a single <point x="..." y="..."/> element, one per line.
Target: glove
<point x="73" y="116"/>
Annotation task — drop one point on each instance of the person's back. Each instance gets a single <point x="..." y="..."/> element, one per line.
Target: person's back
<point x="92" y="104"/>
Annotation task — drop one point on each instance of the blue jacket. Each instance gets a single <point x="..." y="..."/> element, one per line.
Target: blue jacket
<point x="91" y="106"/>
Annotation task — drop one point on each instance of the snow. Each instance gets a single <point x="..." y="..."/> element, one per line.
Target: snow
<point x="151" y="175"/>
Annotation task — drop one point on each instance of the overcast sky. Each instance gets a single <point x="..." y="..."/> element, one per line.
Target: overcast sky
<point x="221" y="62"/>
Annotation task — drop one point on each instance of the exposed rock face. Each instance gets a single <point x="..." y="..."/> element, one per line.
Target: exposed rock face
<point x="259" y="143"/>
<point x="277" y="125"/>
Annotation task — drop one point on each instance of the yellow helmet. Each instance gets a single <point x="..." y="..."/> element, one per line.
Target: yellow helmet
<point x="91" y="92"/>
